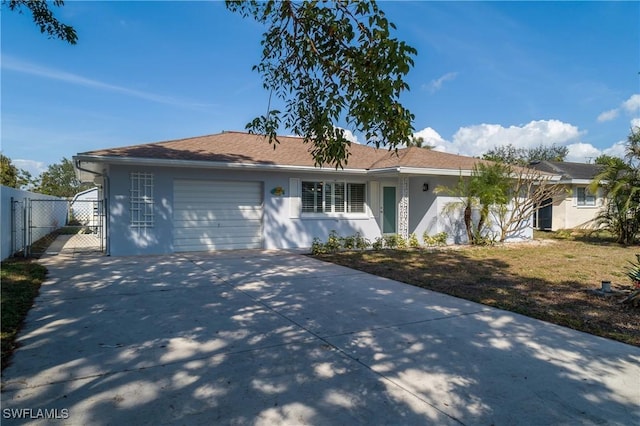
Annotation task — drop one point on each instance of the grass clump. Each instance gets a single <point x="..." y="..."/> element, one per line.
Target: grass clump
<point x="21" y="282"/>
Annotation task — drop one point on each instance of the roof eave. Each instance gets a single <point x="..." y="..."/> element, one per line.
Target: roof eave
<point x="133" y="161"/>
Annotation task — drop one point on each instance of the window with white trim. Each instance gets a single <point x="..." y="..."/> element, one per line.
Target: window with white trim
<point x="585" y="197"/>
<point x="141" y="200"/>
<point x="333" y="197"/>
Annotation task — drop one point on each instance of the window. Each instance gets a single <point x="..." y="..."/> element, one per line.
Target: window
<point x="333" y="197"/>
<point x="141" y="197"/>
<point x="585" y="197"/>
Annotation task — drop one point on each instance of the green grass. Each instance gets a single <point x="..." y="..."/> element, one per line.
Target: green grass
<point x="21" y="282"/>
<point x="549" y="279"/>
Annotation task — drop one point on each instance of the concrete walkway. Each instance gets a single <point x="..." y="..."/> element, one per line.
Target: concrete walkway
<point x="278" y="338"/>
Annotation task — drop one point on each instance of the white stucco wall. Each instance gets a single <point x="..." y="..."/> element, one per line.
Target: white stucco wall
<point x="284" y="226"/>
<point x="281" y="227"/>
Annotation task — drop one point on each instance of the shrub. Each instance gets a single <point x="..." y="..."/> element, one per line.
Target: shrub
<point x="413" y="241"/>
<point x="391" y="241"/>
<point x="378" y="244"/>
<point x="334" y="242"/>
<point x="361" y="242"/>
<point x="349" y="243"/>
<point x="439" y="239"/>
<point x="318" y="247"/>
<point x="401" y="242"/>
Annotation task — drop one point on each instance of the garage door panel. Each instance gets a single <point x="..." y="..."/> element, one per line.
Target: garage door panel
<point x="213" y="215"/>
<point x="215" y="232"/>
<point x="217" y="215"/>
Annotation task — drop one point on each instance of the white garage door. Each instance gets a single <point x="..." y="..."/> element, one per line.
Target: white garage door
<point x="216" y="215"/>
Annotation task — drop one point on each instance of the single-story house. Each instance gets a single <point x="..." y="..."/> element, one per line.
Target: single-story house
<point x="234" y="190"/>
<point x="577" y="207"/>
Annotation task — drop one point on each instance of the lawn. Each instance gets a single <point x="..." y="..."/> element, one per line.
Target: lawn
<point x="21" y="281"/>
<point x="546" y="279"/>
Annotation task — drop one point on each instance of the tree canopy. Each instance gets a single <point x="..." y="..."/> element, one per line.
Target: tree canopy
<point x="331" y="61"/>
<point x="326" y="60"/>
<point x="510" y="154"/>
<point x="44" y="18"/>
<point x="60" y="180"/>
<point x="8" y="172"/>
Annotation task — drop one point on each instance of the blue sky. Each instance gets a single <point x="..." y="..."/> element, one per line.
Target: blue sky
<point x="486" y="74"/>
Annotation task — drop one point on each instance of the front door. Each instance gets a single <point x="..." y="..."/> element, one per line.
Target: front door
<point x="389" y="209"/>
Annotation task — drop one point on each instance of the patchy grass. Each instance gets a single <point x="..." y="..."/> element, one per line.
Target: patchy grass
<point x="546" y="279"/>
<point x="20" y="285"/>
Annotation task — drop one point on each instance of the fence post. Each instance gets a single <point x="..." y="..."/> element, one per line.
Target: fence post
<point x="27" y="227"/>
<point x="13" y="227"/>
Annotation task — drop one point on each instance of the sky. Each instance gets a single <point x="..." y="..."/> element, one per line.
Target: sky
<point x="486" y="74"/>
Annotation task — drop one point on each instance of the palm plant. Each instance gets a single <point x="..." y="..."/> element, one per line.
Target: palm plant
<point x="620" y="182"/>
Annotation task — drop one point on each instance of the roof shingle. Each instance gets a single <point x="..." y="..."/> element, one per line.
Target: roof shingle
<point x="240" y="147"/>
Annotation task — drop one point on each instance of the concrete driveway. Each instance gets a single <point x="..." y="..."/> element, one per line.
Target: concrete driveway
<point x="279" y="338"/>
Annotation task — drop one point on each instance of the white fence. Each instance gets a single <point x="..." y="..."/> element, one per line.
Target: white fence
<point x="13" y="221"/>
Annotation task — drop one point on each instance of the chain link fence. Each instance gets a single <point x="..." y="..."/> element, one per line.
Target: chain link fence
<point x="52" y="226"/>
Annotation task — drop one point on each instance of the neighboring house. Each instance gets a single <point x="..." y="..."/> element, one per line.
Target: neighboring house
<point x="577" y="207"/>
<point x="83" y="208"/>
<point x="233" y="190"/>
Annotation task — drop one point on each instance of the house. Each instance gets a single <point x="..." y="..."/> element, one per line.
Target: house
<point x="84" y="208"/>
<point x="234" y="190"/>
<point x="577" y="207"/>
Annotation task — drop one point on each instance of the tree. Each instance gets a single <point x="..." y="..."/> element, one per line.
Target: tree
<point x="60" y="180"/>
<point x="620" y="182"/>
<point x="329" y="61"/>
<point x="505" y="193"/>
<point x="43" y="17"/>
<point x="510" y="154"/>
<point x="418" y="141"/>
<point x="8" y="172"/>
<point x="529" y="191"/>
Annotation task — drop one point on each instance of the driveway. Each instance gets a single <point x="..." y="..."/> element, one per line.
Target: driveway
<point x="261" y="337"/>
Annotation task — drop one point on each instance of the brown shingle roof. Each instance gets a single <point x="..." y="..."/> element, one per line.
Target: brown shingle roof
<point x="239" y="147"/>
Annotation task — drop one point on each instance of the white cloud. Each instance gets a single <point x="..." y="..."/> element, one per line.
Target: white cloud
<point x="635" y="122"/>
<point x="632" y="104"/>
<point x="12" y="64"/>
<point x="608" y="115"/>
<point x="33" y="167"/>
<point x="581" y="152"/>
<point x="435" y="85"/>
<point x="478" y="139"/>
<point x="617" y="149"/>
<point x="348" y="134"/>
<point x="433" y="138"/>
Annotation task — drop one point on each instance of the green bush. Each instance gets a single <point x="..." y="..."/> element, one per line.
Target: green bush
<point x="413" y="241"/>
<point x="317" y="247"/>
<point x="334" y="242"/>
<point x="439" y="239"/>
<point x="378" y="243"/>
<point x="361" y="242"/>
<point x="391" y="241"/>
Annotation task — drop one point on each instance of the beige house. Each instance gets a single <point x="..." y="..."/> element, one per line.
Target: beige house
<point x="577" y="207"/>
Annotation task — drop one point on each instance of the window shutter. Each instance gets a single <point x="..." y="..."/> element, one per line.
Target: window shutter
<point x="294" y="197"/>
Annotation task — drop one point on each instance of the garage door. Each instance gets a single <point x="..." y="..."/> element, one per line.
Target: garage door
<point x="216" y="215"/>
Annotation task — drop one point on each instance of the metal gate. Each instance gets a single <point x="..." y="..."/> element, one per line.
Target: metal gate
<point x="57" y="226"/>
